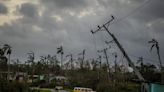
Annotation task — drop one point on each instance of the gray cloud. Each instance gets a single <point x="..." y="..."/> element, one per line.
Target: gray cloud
<point x="67" y="4"/>
<point x="3" y="9"/>
<point x="43" y="34"/>
<point x="156" y="8"/>
<point x="28" y="10"/>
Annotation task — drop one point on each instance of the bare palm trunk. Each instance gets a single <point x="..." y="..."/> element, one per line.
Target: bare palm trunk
<point x="8" y="76"/>
<point x="108" y="68"/>
<point x="61" y="61"/>
<point x="154" y="43"/>
<point x="62" y="72"/>
<point x="159" y="58"/>
<point x="71" y="62"/>
<point x="161" y="67"/>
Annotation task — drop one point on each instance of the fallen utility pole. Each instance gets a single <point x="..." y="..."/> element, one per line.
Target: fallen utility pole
<point x="121" y="49"/>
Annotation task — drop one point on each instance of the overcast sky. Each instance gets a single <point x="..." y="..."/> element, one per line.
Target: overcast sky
<point x="43" y="25"/>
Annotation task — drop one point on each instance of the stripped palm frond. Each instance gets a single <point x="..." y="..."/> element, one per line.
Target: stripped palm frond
<point x="152" y="47"/>
<point x="60" y="50"/>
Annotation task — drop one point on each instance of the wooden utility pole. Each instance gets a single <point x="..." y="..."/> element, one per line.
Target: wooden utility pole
<point x="31" y="59"/>
<point x="115" y="61"/>
<point x="61" y="60"/>
<point x="17" y="62"/>
<point x="121" y="49"/>
<point x="107" y="61"/>
<point x="71" y="60"/>
<point x="100" y="61"/>
<point x="83" y="57"/>
<point x="106" y="57"/>
<point x="8" y="67"/>
<point x="99" y="70"/>
<point x="115" y="72"/>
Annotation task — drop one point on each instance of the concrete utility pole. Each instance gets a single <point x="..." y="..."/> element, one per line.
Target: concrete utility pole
<point x="121" y="49"/>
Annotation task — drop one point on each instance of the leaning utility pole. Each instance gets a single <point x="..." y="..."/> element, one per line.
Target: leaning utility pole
<point x="121" y="49"/>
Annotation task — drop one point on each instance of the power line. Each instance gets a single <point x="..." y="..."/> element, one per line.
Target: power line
<point x="133" y="11"/>
<point x="147" y="59"/>
<point x="129" y="14"/>
<point x="95" y="45"/>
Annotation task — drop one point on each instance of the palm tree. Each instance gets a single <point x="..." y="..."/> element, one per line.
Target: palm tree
<point x="3" y="63"/>
<point x="154" y="43"/>
<point x="3" y="58"/>
<point x="5" y="50"/>
<point x="140" y="61"/>
<point x="56" y="62"/>
<point x="61" y="52"/>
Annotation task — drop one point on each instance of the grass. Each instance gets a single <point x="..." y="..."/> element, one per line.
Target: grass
<point x="42" y="90"/>
<point x="69" y="90"/>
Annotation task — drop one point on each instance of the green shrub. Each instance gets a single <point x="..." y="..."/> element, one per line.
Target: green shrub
<point x="6" y="86"/>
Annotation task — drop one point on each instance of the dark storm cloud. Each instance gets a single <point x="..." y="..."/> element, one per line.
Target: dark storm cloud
<point x="67" y="3"/>
<point x="28" y="10"/>
<point x="151" y="11"/>
<point x="156" y="9"/>
<point x="44" y="33"/>
<point x="24" y="38"/>
<point x="3" y="9"/>
<point x="14" y="30"/>
<point x="63" y="6"/>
